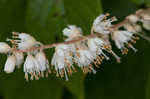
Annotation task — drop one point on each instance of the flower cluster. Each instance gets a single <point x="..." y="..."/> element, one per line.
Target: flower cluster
<point x="84" y="51"/>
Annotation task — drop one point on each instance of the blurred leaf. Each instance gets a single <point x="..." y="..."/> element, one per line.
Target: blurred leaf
<point x="139" y="2"/>
<point x="76" y="85"/>
<point x="82" y="12"/>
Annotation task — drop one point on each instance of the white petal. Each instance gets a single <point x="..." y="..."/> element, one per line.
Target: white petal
<point x="84" y="58"/>
<point x="26" y="44"/>
<point x="4" y="47"/>
<point x="133" y="18"/>
<point x="10" y="64"/>
<point x="72" y="31"/>
<point x="42" y="61"/>
<point x="24" y="37"/>
<point x="19" y="58"/>
<point x="29" y="65"/>
<point x="146" y="25"/>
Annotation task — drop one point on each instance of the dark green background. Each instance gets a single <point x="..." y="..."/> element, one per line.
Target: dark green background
<point x="45" y="19"/>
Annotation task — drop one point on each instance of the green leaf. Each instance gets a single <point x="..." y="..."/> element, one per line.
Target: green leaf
<point x="82" y="12"/>
<point x="147" y="2"/>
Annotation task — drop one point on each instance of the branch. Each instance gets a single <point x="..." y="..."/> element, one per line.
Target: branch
<point x="92" y="35"/>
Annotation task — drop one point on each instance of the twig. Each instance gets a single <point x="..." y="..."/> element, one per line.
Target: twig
<point x="92" y="35"/>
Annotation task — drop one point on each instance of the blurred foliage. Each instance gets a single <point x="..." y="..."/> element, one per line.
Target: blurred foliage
<point x="45" y="19"/>
<point x="139" y="2"/>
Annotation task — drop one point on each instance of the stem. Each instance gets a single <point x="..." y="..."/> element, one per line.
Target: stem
<point x="92" y="35"/>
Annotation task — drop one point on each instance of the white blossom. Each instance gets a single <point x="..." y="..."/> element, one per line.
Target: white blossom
<point x="31" y="67"/>
<point x="4" y="47"/>
<point x="42" y="61"/>
<point x="102" y="25"/>
<point x="134" y="28"/>
<point x="10" y="64"/>
<point x="26" y="41"/>
<point x="145" y="16"/>
<point x="72" y="31"/>
<point x="122" y="39"/>
<point x="96" y="46"/>
<point x="62" y="60"/>
<point x="84" y="58"/>
<point x="146" y="24"/>
<point x="19" y="58"/>
<point x="133" y="19"/>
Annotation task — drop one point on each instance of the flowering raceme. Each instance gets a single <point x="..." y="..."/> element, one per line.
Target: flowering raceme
<point x="84" y="51"/>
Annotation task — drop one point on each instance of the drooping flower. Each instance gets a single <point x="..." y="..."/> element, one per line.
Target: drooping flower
<point x="62" y="60"/>
<point x="84" y="59"/>
<point x="96" y="46"/>
<point x="102" y="25"/>
<point x="4" y="47"/>
<point x="10" y="64"/>
<point x="122" y="40"/>
<point x="29" y="66"/>
<point x="43" y="63"/>
<point x="19" y="58"/>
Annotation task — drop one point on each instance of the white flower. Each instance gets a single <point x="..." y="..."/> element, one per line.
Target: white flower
<point x="42" y="61"/>
<point x="19" y="58"/>
<point x="145" y="17"/>
<point x="31" y="66"/>
<point x="122" y="38"/>
<point x="10" y="64"/>
<point x="26" y="41"/>
<point x="4" y="47"/>
<point x="84" y="58"/>
<point x="62" y="60"/>
<point x="133" y="19"/>
<point x="97" y="45"/>
<point x="72" y="31"/>
<point x="102" y="25"/>
<point x="134" y="28"/>
<point x="146" y="24"/>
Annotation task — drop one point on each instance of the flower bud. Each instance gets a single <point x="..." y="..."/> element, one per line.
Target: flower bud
<point x="10" y="64"/>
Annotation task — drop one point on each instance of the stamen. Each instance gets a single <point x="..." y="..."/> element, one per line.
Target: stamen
<point x="31" y="78"/>
<point x="93" y="70"/>
<point x="124" y="51"/>
<point x="130" y="45"/>
<point x="42" y="74"/>
<point x="116" y="56"/>
<point x="26" y="77"/>
<point x="107" y="58"/>
<point x="144" y="36"/>
<point x="47" y="75"/>
<point x="66" y="74"/>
